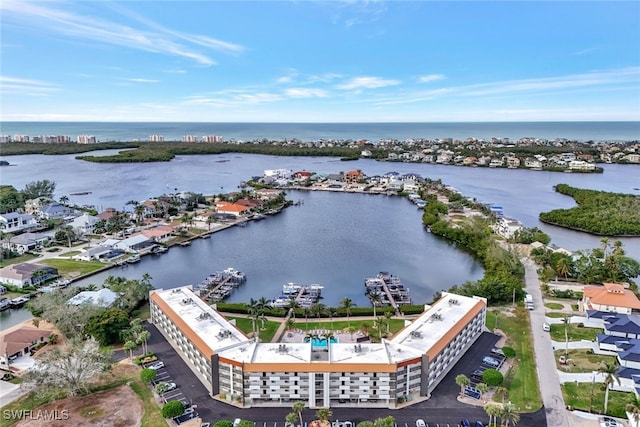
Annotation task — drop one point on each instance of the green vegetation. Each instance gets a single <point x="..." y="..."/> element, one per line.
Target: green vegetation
<point x="521" y="380"/>
<point x="147" y="375"/>
<point x="67" y="267"/>
<point x="582" y="360"/>
<point x="266" y="334"/>
<point x="554" y="306"/>
<point x="575" y="332"/>
<point x="492" y="377"/>
<point x="578" y="396"/>
<point x="340" y="325"/>
<point x="555" y="314"/>
<point x="172" y="408"/>
<point x="598" y="212"/>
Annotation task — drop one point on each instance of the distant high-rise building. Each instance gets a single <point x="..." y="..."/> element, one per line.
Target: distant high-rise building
<point x="156" y="138"/>
<point x="86" y="139"/>
<point x="5" y="139"/>
<point x="212" y="138"/>
<point x="189" y="138"/>
<point x="21" y="138"/>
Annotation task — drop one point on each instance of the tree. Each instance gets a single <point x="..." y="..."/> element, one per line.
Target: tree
<point x="324" y="414"/>
<point x="492" y="377"/>
<point x="509" y="415"/>
<point x="509" y="352"/>
<point x="223" y="423"/>
<point x="107" y="325"/>
<point x="43" y="188"/>
<point x="147" y="375"/>
<point x="493" y="411"/>
<point x="129" y="346"/>
<point x="291" y="418"/>
<point x="347" y="304"/>
<point x="172" y="409"/>
<point x="298" y="407"/>
<point x="376" y="299"/>
<point x="482" y="388"/>
<point x="365" y="423"/>
<point x="385" y="422"/>
<point x="610" y="372"/>
<point x="290" y="324"/>
<point x="387" y="316"/>
<point x="143" y="337"/>
<point x="462" y="380"/>
<point x="70" y="369"/>
<point x="633" y="410"/>
<point x="503" y="392"/>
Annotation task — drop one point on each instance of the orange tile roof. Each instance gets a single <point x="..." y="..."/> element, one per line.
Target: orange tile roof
<point x="612" y="294"/>
<point x="230" y="207"/>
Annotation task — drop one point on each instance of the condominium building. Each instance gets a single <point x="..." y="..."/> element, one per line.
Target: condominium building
<point x="156" y="138"/>
<point x="212" y="138"/>
<point x="236" y="368"/>
<point x="86" y="139"/>
<point x="189" y="138"/>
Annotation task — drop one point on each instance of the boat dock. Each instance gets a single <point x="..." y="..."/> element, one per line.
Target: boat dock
<point x="304" y="295"/>
<point x="390" y="290"/>
<point x="219" y="285"/>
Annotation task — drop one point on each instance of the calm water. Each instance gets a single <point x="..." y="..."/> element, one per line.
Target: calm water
<point x="585" y="131"/>
<point x="332" y="239"/>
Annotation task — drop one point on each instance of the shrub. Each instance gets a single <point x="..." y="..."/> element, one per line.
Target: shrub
<point x="509" y="351"/>
<point x="147" y="375"/>
<point x="223" y="423"/>
<point x="365" y="424"/>
<point x="172" y="408"/>
<point x="492" y="377"/>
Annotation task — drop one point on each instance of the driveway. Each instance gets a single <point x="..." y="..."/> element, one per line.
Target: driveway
<point x="545" y="362"/>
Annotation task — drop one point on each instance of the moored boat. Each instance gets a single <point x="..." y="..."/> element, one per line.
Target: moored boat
<point x="5" y="303"/>
<point x="19" y="301"/>
<point x="133" y="258"/>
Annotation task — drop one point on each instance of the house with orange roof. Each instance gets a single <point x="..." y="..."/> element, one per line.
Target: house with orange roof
<point x="160" y="234"/>
<point x="19" y="341"/>
<point x="611" y="297"/>
<point x="353" y="176"/>
<point x="231" y="208"/>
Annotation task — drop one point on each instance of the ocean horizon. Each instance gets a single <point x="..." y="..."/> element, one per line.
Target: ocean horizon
<point x="311" y="131"/>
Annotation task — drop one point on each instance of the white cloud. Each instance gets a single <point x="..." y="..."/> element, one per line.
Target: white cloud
<point x="140" y="80"/>
<point x="430" y="78"/>
<point x="367" y="83"/>
<point x="157" y="40"/>
<point x="27" y="87"/>
<point x="306" y="93"/>
<point x="233" y="98"/>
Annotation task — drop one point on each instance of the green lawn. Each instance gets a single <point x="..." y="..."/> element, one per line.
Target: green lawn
<point x="555" y="314"/>
<point x="554" y="306"/>
<point x="266" y="335"/>
<point x="579" y="397"/>
<point x="152" y="416"/>
<point x="522" y="381"/>
<point x="575" y="332"/>
<point x="341" y="325"/>
<point x="582" y="360"/>
<point x="73" y="267"/>
<point x="17" y="260"/>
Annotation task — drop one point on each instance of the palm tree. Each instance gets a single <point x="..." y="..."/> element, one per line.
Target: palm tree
<point x="379" y="323"/>
<point x="482" y="388"/>
<point x="324" y="414"/>
<point x="493" y="411"/>
<point x="139" y="211"/>
<point x="388" y="315"/>
<point x="347" y="304"/>
<point x="291" y="418"/>
<point x="563" y="267"/>
<point x="298" y="407"/>
<point x="293" y="304"/>
<point x="144" y="338"/>
<point x="509" y="415"/>
<point x="610" y="371"/>
<point x="633" y="408"/>
<point x="462" y="380"/>
<point x="129" y="346"/>
<point x="64" y="200"/>
<point x="306" y="312"/>
<point x="376" y="299"/>
<point x="263" y="303"/>
<point x="502" y="392"/>
<point x="290" y="324"/>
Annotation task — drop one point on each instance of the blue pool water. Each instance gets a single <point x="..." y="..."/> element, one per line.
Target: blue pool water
<point x="321" y="342"/>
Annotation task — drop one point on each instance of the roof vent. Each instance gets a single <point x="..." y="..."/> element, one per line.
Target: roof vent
<point x="415" y="334"/>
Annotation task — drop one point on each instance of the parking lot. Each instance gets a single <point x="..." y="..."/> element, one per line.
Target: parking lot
<point x="163" y="377"/>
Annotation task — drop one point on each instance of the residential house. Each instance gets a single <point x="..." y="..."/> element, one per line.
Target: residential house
<point x="25" y="242"/>
<point x="395" y="185"/>
<point x="25" y="274"/>
<point x="532" y="163"/>
<point x="231" y="208"/>
<point x="470" y="160"/>
<point x="135" y="243"/>
<point x="267" y="193"/>
<point x="302" y="175"/>
<point x="353" y="176"/>
<point x="84" y="224"/>
<point x="496" y="162"/>
<point x="250" y="203"/>
<point x="103" y="297"/>
<point x="610" y="297"/>
<point x="20" y="342"/>
<point x="56" y="210"/>
<point x="13" y="222"/>
<point x="160" y="234"/>
<point x="513" y="162"/>
<point x="278" y="173"/>
<point x="507" y="227"/>
<point x="95" y="253"/>
<point x="581" y="165"/>
<point x="33" y="206"/>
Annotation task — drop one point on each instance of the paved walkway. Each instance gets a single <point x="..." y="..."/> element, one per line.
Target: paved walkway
<point x="547" y="373"/>
<point x="10" y="392"/>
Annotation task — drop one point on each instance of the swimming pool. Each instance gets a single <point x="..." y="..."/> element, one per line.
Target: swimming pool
<point x="321" y="342"/>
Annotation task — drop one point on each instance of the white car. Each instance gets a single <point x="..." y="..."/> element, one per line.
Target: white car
<point x="420" y="423"/>
<point x="156" y="365"/>
<point x="546" y="327"/>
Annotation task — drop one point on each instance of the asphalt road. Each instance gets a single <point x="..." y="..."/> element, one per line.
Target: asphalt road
<point x="442" y="408"/>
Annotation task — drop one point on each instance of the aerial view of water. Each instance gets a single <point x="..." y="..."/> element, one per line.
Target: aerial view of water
<point x="332" y="239"/>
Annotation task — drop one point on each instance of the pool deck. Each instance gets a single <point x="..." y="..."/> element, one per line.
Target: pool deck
<point x="298" y="335"/>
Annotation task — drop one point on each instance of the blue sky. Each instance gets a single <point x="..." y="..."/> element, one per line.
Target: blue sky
<point x="310" y="61"/>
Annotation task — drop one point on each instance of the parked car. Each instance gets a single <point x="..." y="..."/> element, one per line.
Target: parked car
<point x="498" y="351"/>
<point x="490" y="361"/>
<point x="236" y="422"/>
<point x="465" y="423"/>
<point x="164" y="387"/>
<point x="156" y="365"/>
<point x="479" y="424"/>
<point x="477" y="375"/>
<point x="420" y="423"/>
<point x="610" y="422"/>
<point x="546" y="327"/>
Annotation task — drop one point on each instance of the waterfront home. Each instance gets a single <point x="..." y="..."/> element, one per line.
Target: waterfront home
<point x="16" y="342"/>
<point x="231" y="208"/>
<point x="496" y="162"/>
<point x="470" y="160"/>
<point x="84" y="224"/>
<point x="94" y="253"/>
<point x="107" y="214"/>
<point x="581" y="165"/>
<point x="103" y="297"/>
<point x="250" y="203"/>
<point x="56" y="210"/>
<point x="278" y="173"/>
<point x="12" y="222"/>
<point x="302" y="175"/>
<point x="532" y="163"/>
<point x="162" y="233"/>
<point x="507" y="227"/>
<point x="610" y="297"/>
<point x="134" y="243"/>
<point x="395" y="185"/>
<point x="25" y="242"/>
<point x="513" y="162"/>
<point x="33" y="206"/>
<point x="25" y="274"/>
<point x="353" y="176"/>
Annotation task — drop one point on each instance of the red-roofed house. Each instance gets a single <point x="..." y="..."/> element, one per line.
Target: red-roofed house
<point x="159" y="234"/>
<point x="353" y="176"/>
<point x="250" y="203"/>
<point x="231" y="208"/>
<point x="302" y="175"/>
<point x="610" y="297"/>
<point x="19" y="342"/>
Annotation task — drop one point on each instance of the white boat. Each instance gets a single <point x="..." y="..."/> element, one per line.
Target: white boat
<point x="4" y="304"/>
<point x="291" y="288"/>
<point x="19" y="301"/>
<point x="133" y="258"/>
